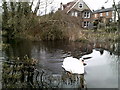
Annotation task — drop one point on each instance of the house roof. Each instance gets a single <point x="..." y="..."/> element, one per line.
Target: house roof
<point x="69" y="6"/>
<point x="103" y="10"/>
<point x="75" y="2"/>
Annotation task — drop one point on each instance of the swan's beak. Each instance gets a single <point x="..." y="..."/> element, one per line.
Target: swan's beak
<point x="83" y="62"/>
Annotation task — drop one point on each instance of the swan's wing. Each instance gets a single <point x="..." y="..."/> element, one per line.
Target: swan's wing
<point x="73" y="65"/>
<point x="67" y="63"/>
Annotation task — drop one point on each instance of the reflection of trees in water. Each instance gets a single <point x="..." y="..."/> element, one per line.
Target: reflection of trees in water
<point x="76" y="49"/>
<point x="19" y="48"/>
<point x="18" y="72"/>
<point x="64" y="80"/>
<point x="111" y="47"/>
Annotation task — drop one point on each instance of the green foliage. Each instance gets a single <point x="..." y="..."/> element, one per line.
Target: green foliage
<point x="16" y="70"/>
<point x="17" y="17"/>
<point x="52" y="31"/>
<point x="111" y="29"/>
<point x="4" y="46"/>
<point x="20" y="21"/>
<point x="5" y="15"/>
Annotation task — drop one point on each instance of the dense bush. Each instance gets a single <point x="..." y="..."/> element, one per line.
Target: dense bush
<point x="17" y="17"/>
<point x="20" y="21"/>
<point x="52" y="32"/>
<point x="111" y="29"/>
<point x="56" y="26"/>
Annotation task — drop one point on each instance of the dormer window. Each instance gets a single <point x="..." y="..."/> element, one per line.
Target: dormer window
<point x="80" y="5"/>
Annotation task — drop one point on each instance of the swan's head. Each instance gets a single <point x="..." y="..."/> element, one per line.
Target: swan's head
<point x="82" y="60"/>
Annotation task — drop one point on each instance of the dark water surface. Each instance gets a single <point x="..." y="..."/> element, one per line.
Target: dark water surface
<point x="101" y="70"/>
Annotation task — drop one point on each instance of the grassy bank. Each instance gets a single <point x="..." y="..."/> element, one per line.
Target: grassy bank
<point x="100" y="36"/>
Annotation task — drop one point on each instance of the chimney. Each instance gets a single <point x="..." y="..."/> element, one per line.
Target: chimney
<point x="102" y="7"/>
<point x="61" y="6"/>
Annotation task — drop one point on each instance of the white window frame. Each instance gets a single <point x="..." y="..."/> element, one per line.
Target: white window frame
<point x="74" y="13"/>
<point x="95" y="15"/>
<point x="101" y="14"/>
<point x="107" y="13"/>
<point x="86" y="14"/>
<point x="85" y="24"/>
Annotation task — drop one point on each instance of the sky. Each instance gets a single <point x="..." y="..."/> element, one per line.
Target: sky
<point x="93" y="4"/>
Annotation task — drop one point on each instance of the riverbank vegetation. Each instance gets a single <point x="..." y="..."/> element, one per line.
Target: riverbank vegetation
<point x="18" y="72"/>
<point x="100" y="36"/>
<point x="19" y="20"/>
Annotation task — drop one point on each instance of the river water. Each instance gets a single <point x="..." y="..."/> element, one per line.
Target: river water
<point x="101" y="70"/>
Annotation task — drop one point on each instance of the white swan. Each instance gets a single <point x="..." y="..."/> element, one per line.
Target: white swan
<point x="73" y="65"/>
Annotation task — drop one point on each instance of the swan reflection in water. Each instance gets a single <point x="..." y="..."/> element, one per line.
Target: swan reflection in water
<point x="64" y="80"/>
<point x="74" y="80"/>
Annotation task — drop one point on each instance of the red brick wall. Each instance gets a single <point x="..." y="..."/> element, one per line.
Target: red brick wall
<point x="103" y="15"/>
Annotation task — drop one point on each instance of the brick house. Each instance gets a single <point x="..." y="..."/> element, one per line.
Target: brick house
<point x="105" y="15"/>
<point x="78" y="8"/>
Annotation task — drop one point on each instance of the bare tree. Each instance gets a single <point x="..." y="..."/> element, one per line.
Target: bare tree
<point x="47" y="3"/>
<point x="42" y="6"/>
<point x="37" y="7"/>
